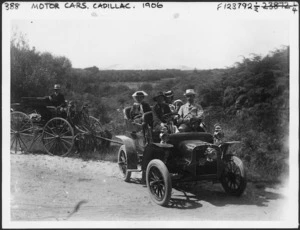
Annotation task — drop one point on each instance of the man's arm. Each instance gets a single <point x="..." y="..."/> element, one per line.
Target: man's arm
<point x="200" y="111"/>
<point x="180" y="111"/>
<point x="63" y="101"/>
<point x="167" y="109"/>
<point x="156" y="120"/>
<point x="146" y="107"/>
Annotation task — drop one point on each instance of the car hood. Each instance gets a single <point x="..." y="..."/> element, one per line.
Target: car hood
<point x="190" y="145"/>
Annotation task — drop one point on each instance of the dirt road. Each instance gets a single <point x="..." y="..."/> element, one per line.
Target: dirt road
<point x="49" y="188"/>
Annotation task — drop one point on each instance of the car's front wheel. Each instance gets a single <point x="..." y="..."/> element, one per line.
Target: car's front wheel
<point x="233" y="178"/>
<point x="159" y="182"/>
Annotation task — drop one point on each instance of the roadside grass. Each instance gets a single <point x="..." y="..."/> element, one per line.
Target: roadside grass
<point x="262" y="159"/>
<point x="105" y="154"/>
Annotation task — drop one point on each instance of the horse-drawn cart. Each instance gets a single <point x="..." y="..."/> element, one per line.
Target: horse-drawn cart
<point x="60" y="128"/>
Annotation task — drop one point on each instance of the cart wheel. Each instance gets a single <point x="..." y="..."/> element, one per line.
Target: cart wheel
<point x="233" y="178"/>
<point x="159" y="182"/>
<point x="122" y="161"/>
<point x="21" y="132"/>
<point x="95" y="124"/>
<point x="58" y="137"/>
<point x="99" y="130"/>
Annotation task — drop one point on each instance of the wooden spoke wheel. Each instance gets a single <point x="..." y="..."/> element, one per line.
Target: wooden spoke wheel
<point x="93" y="131"/>
<point x="159" y="182"/>
<point x="21" y="132"/>
<point x="233" y="178"/>
<point x="99" y="131"/>
<point x="88" y="124"/>
<point x="58" y="137"/>
<point x="122" y="162"/>
<point x="95" y="124"/>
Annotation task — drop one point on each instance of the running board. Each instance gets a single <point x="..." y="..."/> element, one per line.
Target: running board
<point x="134" y="170"/>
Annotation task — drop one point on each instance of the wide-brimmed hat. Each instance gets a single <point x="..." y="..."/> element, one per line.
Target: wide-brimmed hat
<point x="189" y="92"/>
<point x="159" y="94"/>
<point x="140" y="93"/>
<point x="169" y="93"/>
<point x="178" y="101"/>
<point x="56" y="86"/>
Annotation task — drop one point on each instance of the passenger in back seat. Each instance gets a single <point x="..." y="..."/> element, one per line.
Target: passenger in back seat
<point x="139" y="107"/>
<point x="159" y="109"/>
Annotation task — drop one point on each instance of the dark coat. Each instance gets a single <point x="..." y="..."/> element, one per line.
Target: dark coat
<point x="146" y="107"/>
<point x="58" y="100"/>
<point x="160" y="110"/>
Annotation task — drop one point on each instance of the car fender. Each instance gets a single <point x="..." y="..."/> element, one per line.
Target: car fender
<point x="224" y="146"/>
<point x="132" y="157"/>
<point x="239" y="162"/>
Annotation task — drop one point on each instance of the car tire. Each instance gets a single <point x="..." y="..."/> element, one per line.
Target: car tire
<point x="233" y="178"/>
<point x="159" y="182"/>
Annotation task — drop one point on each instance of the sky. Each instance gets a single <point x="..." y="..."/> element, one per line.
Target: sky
<point x="182" y="38"/>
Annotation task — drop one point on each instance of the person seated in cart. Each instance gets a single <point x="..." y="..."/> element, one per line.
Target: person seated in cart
<point x="57" y="99"/>
<point x="190" y="112"/>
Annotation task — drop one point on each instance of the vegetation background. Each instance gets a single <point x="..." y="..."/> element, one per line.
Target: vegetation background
<point x="250" y="99"/>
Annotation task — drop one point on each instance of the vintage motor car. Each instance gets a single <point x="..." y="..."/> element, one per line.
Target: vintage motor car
<point x="182" y="157"/>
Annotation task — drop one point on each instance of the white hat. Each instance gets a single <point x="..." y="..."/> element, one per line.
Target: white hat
<point x="177" y="101"/>
<point x="140" y="93"/>
<point x="189" y="92"/>
<point x="56" y="86"/>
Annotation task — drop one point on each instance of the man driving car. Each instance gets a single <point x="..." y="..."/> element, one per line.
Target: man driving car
<point x="189" y="111"/>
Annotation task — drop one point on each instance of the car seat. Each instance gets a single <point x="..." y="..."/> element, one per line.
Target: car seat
<point x="127" y="112"/>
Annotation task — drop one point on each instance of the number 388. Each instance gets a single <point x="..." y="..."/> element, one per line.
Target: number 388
<point x="11" y="6"/>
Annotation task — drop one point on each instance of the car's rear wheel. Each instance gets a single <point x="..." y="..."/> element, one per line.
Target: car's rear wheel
<point x="122" y="162"/>
<point x="159" y="182"/>
<point x="233" y="178"/>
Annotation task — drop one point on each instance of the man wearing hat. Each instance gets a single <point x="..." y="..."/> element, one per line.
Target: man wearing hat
<point x="139" y="106"/>
<point x="190" y="109"/>
<point x="159" y="109"/>
<point x="169" y="96"/>
<point x="57" y="99"/>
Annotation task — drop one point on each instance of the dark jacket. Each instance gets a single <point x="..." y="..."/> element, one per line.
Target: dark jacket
<point x="146" y="107"/>
<point x="58" y="100"/>
<point x="160" y="110"/>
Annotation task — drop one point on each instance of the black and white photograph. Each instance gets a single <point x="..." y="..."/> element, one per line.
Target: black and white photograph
<point x="150" y="114"/>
